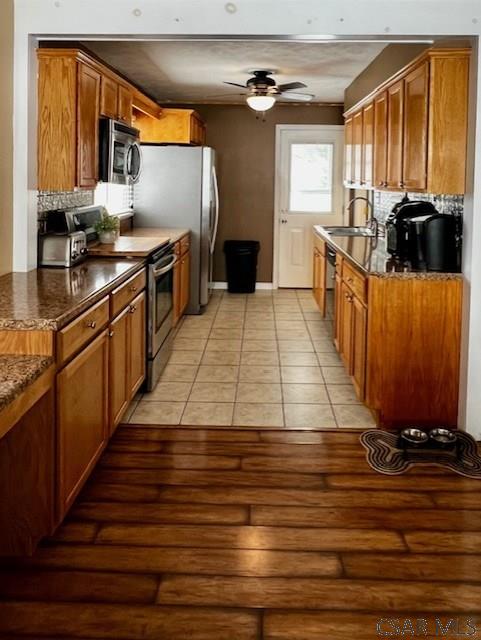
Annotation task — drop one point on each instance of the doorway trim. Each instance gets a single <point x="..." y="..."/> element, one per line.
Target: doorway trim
<point x="277" y="192"/>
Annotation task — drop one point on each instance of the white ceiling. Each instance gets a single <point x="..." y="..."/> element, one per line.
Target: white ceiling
<point x="193" y="71"/>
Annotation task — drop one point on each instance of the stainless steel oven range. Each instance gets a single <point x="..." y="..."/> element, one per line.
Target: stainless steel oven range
<point x="160" y="283"/>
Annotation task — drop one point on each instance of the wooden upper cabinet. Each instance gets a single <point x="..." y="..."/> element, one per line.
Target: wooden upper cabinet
<point x="380" y="140"/>
<point x="348" y="165"/>
<point x="367" y="145"/>
<point x="395" y="135"/>
<point x="125" y="105"/>
<point x="74" y="90"/>
<point x="357" y="147"/>
<point x="57" y="122"/>
<point x="448" y="118"/>
<point x="176" y="126"/>
<point x="419" y="127"/>
<point x="88" y="106"/>
<point x="109" y="91"/>
<point x="415" y="148"/>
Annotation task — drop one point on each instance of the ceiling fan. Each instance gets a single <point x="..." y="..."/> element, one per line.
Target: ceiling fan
<point x="263" y="91"/>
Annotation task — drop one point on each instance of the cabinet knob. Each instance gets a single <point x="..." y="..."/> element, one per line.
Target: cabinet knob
<point x="132" y="308"/>
<point x="111" y="334"/>
<point x="91" y="324"/>
<point x="133" y="288"/>
<point x="401" y="184"/>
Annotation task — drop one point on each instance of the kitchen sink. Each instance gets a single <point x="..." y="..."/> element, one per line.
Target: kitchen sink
<point x="350" y="231"/>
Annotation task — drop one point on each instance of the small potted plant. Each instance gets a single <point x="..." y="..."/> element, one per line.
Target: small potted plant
<point x="107" y="228"/>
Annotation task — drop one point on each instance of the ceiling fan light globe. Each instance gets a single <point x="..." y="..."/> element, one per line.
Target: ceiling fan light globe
<point x="261" y="103"/>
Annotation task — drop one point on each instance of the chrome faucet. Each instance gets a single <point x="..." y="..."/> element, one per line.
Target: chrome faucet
<point x="371" y="222"/>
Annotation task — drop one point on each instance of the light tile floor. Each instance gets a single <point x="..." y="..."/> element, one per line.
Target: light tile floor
<point x="259" y="360"/>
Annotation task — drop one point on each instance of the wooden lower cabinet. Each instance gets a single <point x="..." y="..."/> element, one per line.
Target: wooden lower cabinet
<point x="319" y="281"/>
<point x="184" y="282"/>
<point x="400" y="343"/>
<point x="337" y="308"/>
<point x="181" y="278"/>
<point x="319" y="271"/>
<point x="82" y="417"/>
<point x="27" y="460"/>
<point x="118" y="366"/>
<point x="358" y="352"/>
<point x="346" y="326"/>
<point x="126" y="358"/>
<point x="137" y="343"/>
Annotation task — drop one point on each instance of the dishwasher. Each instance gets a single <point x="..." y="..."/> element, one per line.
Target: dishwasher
<point x="331" y="267"/>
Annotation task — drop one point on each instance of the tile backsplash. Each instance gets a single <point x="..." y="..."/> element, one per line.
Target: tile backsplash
<point x="384" y="201"/>
<point x="51" y="201"/>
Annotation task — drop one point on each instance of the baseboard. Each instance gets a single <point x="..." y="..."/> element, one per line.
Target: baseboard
<point x="259" y="285"/>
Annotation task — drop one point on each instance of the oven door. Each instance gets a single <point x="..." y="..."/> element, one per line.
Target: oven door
<point x="161" y="301"/>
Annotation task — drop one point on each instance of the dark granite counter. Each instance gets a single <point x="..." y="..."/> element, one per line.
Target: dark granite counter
<point x="17" y="373"/>
<point x="48" y="298"/>
<point x="370" y="256"/>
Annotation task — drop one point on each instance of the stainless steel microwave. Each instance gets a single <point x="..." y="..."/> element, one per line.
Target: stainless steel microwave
<point x="120" y="155"/>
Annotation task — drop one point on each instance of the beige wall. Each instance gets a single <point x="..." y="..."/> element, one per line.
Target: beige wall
<point x="6" y="134"/>
<point x="245" y="161"/>
<point x="387" y="63"/>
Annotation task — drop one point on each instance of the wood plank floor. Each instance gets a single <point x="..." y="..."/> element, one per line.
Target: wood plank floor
<point x="194" y="534"/>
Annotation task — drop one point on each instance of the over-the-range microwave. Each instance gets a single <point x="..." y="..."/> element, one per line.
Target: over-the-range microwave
<point x="120" y="155"/>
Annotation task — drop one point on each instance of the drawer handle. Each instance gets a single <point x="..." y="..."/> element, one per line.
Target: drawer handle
<point x="90" y="324"/>
<point x="132" y="308"/>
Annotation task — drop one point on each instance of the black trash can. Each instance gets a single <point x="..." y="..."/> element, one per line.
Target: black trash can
<point x="241" y="265"/>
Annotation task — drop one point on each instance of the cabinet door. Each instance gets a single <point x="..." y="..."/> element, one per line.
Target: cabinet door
<point x="137" y="339"/>
<point x="337" y="309"/>
<point x="119" y="354"/>
<point x="395" y="135"/>
<point x="367" y="146"/>
<point x="125" y="105"/>
<point x="380" y="140"/>
<point x="177" y="293"/>
<point x="357" y="147"/>
<point x="82" y="418"/>
<point x="88" y="109"/>
<point x="415" y="144"/>
<point x="315" y="274"/>
<point x="348" y="165"/>
<point x="346" y="327"/>
<point x="109" y="98"/>
<point x="359" y="331"/>
<point x="184" y="281"/>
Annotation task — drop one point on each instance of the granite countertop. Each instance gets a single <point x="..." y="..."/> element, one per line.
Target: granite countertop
<point x="370" y="256"/>
<point x="17" y="373"/>
<point x="48" y="298"/>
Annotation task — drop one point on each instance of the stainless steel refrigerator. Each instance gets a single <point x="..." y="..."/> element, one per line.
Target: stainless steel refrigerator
<point x="178" y="188"/>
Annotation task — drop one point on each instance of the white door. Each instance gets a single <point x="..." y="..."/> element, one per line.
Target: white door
<point x="308" y="192"/>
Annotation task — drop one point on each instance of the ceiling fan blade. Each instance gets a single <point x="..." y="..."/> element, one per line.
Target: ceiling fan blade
<point x="298" y="97"/>
<point x="291" y="85"/>
<point x="223" y="95"/>
<point x="234" y="84"/>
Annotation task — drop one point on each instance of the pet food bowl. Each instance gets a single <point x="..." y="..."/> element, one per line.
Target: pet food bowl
<point x="413" y="437"/>
<point x="442" y="437"/>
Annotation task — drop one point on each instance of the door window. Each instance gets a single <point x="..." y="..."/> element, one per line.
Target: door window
<point x="311" y="177"/>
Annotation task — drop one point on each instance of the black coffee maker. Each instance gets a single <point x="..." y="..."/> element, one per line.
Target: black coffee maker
<point x="397" y="225"/>
<point x="432" y="241"/>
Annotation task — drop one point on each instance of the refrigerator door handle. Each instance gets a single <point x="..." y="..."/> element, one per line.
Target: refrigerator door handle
<point x="216" y="200"/>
